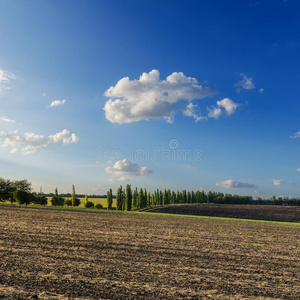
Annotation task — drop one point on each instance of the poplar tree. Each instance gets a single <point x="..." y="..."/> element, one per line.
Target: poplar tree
<point x="109" y="199"/>
<point x="119" y="198"/>
<point x="135" y="198"/>
<point x="149" y="199"/>
<point x="141" y="198"/>
<point x="128" y="197"/>
<point x="184" y="198"/>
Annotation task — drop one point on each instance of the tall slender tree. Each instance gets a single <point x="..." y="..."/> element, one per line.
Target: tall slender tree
<point x="109" y="199"/>
<point x="120" y="197"/>
<point x="128" y="197"/>
<point x="135" y="198"/>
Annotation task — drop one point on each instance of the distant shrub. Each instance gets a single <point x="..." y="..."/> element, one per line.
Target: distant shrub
<point x="57" y="201"/>
<point x="76" y="202"/>
<point x="68" y="202"/>
<point x="41" y="200"/>
<point x="89" y="204"/>
<point x="99" y="206"/>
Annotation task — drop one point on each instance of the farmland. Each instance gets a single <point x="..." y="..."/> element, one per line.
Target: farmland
<point x="59" y="254"/>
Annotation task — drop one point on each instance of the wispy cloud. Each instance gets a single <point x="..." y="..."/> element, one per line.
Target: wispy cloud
<point x="246" y="83"/>
<point x="261" y="91"/>
<point x="30" y="142"/>
<point x="152" y="98"/>
<point x="7" y="120"/>
<point x="278" y="181"/>
<point x="296" y="135"/>
<point x="192" y="111"/>
<point x="57" y="103"/>
<point x="234" y="184"/>
<point x="5" y="79"/>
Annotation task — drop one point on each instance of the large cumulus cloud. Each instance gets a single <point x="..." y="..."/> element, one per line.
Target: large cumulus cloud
<point x="151" y="98"/>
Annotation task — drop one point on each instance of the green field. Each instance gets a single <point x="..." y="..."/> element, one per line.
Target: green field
<point x="102" y="201"/>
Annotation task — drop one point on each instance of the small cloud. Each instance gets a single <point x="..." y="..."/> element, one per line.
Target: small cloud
<point x="229" y="105"/>
<point x="246" y="83"/>
<point x="7" y="120"/>
<point x="296" y="135"/>
<point x="44" y="94"/>
<point x="30" y="142"/>
<point x="261" y="90"/>
<point x="224" y="106"/>
<point x="191" y="111"/>
<point x="278" y="181"/>
<point x="234" y="184"/>
<point x="126" y="167"/>
<point x="5" y="79"/>
<point x="57" y="103"/>
<point x="123" y="179"/>
<point x="214" y="112"/>
<point x="298" y="170"/>
<point x="63" y="136"/>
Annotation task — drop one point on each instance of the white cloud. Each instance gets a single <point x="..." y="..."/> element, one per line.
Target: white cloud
<point x="224" y="106"/>
<point x="57" y="103"/>
<point x="5" y="79"/>
<point x="126" y="167"/>
<point x="297" y="135"/>
<point x="44" y="94"/>
<point x="298" y="170"/>
<point x="261" y="90"/>
<point x="278" y="181"/>
<point x="229" y="105"/>
<point x="30" y="142"/>
<point x="246" y="83"/>
<point x="7" y="120"/>
<point x="214" y="112"/>
<point x="191" y="111"/>
<point x="123" y="179"/>
<point x="63" y="136"/>
<point x="151" y="98"/>
<point x="234" y="184"/>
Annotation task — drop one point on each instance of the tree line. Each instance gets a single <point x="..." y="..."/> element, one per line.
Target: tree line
<point x="128" y="199"/>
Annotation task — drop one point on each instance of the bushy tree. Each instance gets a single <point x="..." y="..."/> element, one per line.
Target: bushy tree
<point x="23" y="197"/>
<point x="99" y="206"/>
<point x="56" y="200"/>
<point x="68" y="202"/>
<point x="22" y="185"/>
<point x="6" y="189"/>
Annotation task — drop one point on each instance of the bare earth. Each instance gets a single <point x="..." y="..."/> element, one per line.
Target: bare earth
<point x="255" y="212"/>
<point x="52" y="254"/>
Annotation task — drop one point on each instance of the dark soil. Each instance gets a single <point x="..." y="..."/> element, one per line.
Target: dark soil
<point x="255" y="212"/>
<point x="52" y="254"/>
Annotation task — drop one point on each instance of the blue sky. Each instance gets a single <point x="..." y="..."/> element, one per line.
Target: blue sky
<point x="158" y="94"/>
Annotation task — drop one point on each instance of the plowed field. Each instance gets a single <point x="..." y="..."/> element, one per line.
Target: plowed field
<point x="53" y="254"/>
